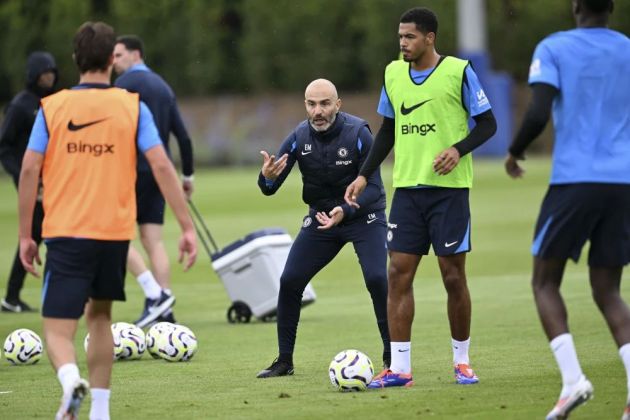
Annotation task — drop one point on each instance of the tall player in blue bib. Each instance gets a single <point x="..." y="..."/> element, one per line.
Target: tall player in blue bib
<point x="584" y="76"/>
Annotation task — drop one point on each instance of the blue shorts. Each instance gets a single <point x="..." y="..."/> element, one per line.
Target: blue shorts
<point x="424" y="217"/>
<point x="79" y="269"/>
<point x="571" y="214"/>
<point x="149" y="200"/>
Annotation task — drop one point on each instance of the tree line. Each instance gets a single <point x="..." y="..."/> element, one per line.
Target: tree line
<point x="205" y="47"/>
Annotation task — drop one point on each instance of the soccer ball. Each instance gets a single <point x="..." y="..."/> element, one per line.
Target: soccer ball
<point x="177" y="345"/>
<point x="153" y="336"/>
<point x="23" y="347"/>
<point x="118" y="348"/>
<point x="132" y="341"/>
<point x="351" y="370"/>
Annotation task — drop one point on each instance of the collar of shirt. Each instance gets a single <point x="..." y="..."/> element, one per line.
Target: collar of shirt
<point x="138" y="67"/>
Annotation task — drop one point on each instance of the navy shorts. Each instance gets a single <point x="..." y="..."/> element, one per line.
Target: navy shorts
<point x="78" y="269"/>
<point x="571" y="214"/>
<point x="424" y="217"/>
<point x="149" y="200"/>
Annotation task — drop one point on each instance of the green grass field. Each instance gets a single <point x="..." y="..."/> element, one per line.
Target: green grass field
<point x="519" y="379"/>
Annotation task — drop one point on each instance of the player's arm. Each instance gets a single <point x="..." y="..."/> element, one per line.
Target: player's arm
<point x="27" y="191"/>
<point x="544" y="79"/>
<point x="478" y="107"/>
<point x="9" y="131"/>
<point x="276" y="168"/>
<point x="185" y="148"/>
<point x="382" y="145"/>
<point x="373" y="189"/>
<point x="150" y="144"/>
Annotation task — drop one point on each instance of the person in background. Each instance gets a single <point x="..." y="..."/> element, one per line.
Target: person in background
<point x="135" y="76"/>
<point x="41" y="78"/>
<point x="582" y="74"/>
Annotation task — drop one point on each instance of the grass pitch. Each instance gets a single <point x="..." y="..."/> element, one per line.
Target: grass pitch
<point x="509" y="352"/>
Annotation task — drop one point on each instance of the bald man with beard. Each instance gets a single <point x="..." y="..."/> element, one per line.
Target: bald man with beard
<point x="329" y="146"/>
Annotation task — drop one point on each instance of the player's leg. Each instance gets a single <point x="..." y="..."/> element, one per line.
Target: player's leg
<point x="98" y="317"/>
<point x="108" y="285"/>
<point x="157" y="301"/>
<point x="407" y="240"/>
<point x="368" y="235"/>
<point x="150" y="218"/>
<point x="69" y="268"/>
<point x="563" y="226"/>
<point x="310" y="252"/>
<point x="449" y="226"/>
<point x="609" y="252"/>
<point x="153" y="243"/>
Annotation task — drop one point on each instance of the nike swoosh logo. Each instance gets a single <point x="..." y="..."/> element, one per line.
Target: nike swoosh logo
<point x="76" y="127"/>
<point x="372" y="220"/>
<point x="306" y="153"/>
<point x="406" y="111"/>
<point x="448" y="245"/>
<point x="403" y="351"/>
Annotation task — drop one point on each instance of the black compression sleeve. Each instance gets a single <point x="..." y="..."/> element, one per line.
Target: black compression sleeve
<point x="383" y="144"/>
<point x="535" y="119"/>
<point x="485" y="127"/>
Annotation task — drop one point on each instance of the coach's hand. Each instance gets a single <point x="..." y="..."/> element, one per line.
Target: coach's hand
<point x="187" y="249"/>
<point x="354" y="190"/>
<point x="331" y="219"/>
<point x="272" y="168"/>
<point x="29" y="252"/>
<point x="512" y="167"/>
<point x="446" y="161"/>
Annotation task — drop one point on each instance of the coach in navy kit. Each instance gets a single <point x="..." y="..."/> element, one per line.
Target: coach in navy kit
<point x="329" y="148"/>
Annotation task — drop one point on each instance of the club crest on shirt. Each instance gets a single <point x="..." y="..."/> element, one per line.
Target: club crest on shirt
<point x="342" y="152"/>
<point x="307" y="221"/>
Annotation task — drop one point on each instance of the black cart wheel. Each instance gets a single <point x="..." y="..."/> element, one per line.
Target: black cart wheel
<point x="239" y="313"/>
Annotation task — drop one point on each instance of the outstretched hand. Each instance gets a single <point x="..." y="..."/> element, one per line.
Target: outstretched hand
<point x="272" y="168"/>
<point x="333" y="218"/>
<point x="512" y="167"/>
<point x="354" y="190"/>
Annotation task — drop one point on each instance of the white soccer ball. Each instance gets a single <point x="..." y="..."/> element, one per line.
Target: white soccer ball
<point x="23" y="347"/>
<point x="153" y="336"/>
<point x="132" y="342"/>
<point x="351" y="370"/>
<point x="118" y="348"/>
<point x="177" y="345"/>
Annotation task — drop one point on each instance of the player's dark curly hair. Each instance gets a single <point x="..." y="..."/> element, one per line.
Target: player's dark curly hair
<point x="93" y="46"/>
<point x="425" y="20"/>
<point x="597" y="6"/>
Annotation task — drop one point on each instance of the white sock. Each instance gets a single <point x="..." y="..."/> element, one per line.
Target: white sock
<point x="460" y="351"/>
<point x="401" y="357"/>
<point x="150" y="286"/>
<point x="68" y="375"/>
<point x="100" y="404"/>
<point x="566" y="357"/>
<point x="168" y="292"/>
<point x="624" y="352"/>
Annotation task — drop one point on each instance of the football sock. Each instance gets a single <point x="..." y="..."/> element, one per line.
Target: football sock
<point x="100" y="404"/>
<point x="460" y="351"/>
<point x="150" y="286"/>
<point x="68" y="374"/>
<point x="624" y="352"/>
<point x="566" y="357"/>
<point x="401" y="357"/>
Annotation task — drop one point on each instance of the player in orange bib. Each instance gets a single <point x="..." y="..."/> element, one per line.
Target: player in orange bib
<point x="84" y="144"/>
